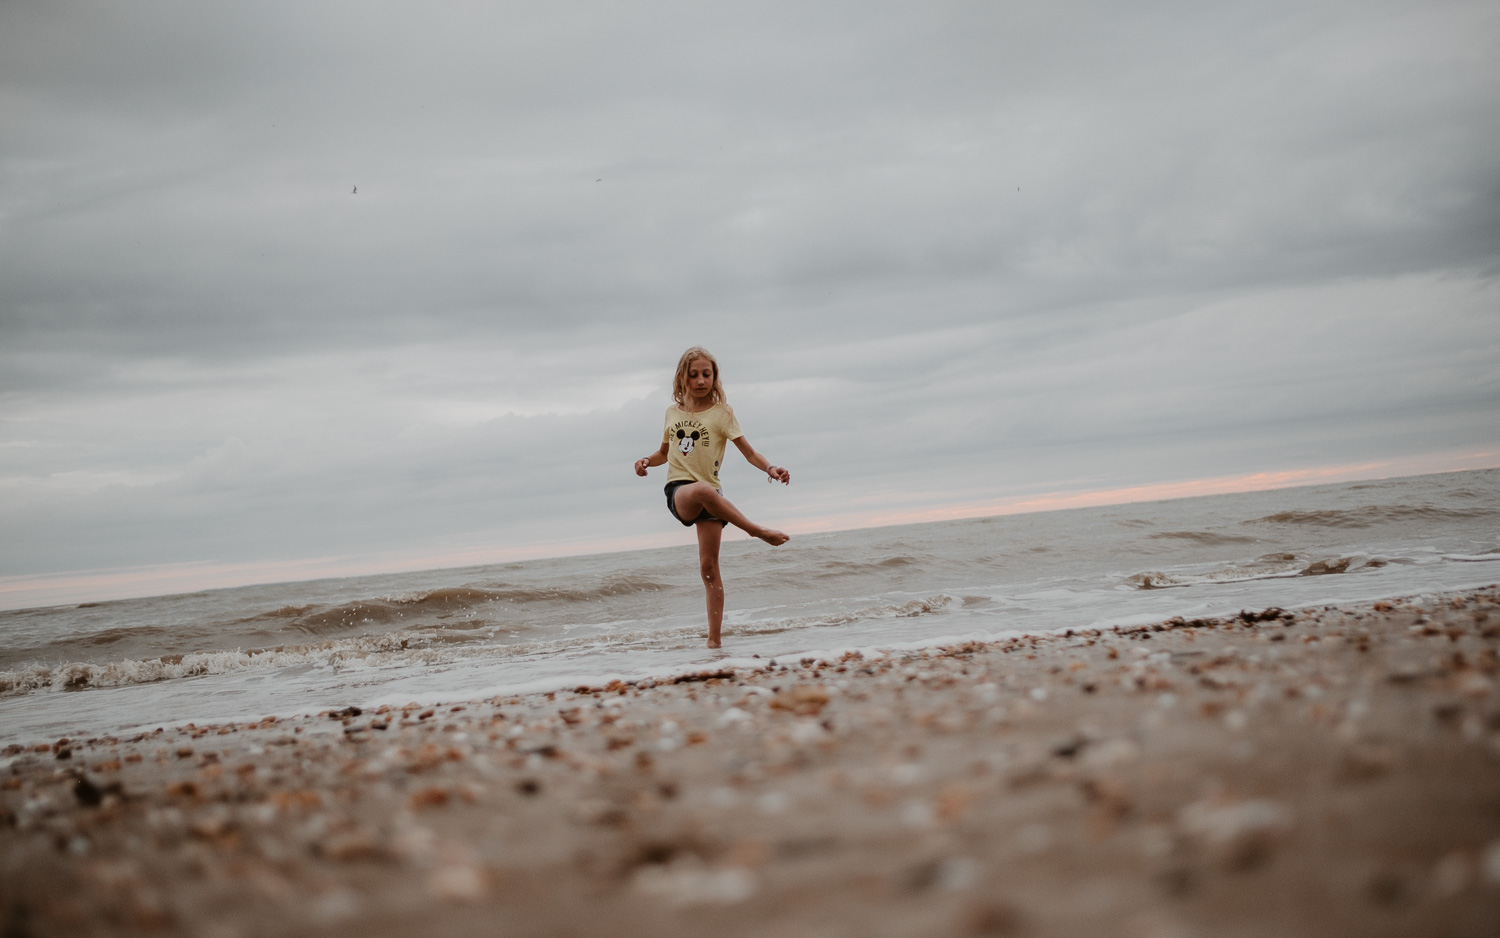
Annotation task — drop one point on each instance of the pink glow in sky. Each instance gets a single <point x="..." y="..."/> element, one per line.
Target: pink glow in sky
<point x="1189" y="488"/>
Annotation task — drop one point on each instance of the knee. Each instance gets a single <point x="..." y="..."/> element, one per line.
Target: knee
<point x="709" y="570"/>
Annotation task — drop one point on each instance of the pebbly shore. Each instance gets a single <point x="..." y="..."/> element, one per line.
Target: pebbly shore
<point x="1310" y="772"/>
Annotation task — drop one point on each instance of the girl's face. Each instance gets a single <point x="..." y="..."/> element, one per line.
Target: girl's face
<point x="700" y="379"/>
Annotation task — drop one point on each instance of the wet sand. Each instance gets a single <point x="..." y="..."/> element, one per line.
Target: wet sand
<point x="1329" y="771"/>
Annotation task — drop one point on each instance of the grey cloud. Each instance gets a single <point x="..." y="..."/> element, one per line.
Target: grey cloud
<point x="1055" y="242"/>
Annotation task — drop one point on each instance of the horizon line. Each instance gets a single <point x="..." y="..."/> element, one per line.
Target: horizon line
<point x="177" y="578"/>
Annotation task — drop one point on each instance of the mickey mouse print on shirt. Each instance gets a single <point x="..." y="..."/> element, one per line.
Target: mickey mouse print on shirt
<point x="686" y="439"/>
<point x="695" y="442"/>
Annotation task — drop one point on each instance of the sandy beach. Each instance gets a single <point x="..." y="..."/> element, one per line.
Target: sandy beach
<point x="1324" y="771"/>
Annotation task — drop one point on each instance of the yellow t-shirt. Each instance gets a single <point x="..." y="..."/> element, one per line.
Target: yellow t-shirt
<point x="695" y="442"/>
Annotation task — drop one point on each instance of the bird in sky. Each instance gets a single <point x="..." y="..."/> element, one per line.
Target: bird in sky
<point x="356" y="191"/>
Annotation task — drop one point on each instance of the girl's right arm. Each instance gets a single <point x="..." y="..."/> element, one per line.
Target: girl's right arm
<point x="655" y="459"/>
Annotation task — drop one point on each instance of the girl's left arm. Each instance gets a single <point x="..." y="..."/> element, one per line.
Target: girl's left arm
<point x="762" y="463"/>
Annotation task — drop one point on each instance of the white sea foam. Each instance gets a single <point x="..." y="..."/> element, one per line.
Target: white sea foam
<point x="402" y="649"/>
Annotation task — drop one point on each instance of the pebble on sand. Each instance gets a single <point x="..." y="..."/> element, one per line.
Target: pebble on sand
<point x="687" y="882"/>
<point x="457" y="883"/>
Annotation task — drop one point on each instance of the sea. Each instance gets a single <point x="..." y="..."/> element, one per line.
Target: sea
<point x="114" y="668"/>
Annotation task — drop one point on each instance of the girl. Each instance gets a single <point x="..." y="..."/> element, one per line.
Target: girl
<point x="692" y="445"/>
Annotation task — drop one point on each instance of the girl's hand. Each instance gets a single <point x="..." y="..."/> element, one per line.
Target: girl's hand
<point x="641" y="464"/>
<point x="778" y="474"/>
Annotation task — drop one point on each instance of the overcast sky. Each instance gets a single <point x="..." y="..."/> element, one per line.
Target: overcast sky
<point x="952" y="257"/>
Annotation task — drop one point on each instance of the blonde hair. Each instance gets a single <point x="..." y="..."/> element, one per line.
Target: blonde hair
<point x="679" y="381"/>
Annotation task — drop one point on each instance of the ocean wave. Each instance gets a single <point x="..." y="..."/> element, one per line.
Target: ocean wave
<point x="283" y="612"/>
<point x="122" y="640"/>
<point x="847" y="567"/>
<point x="1205" y="538"/>
<point x="1371" y="515"/>
<point x="1271" y="566"/>
<point x="1475" y="558"/>
<point x="361" y="613"/>
<point x="405" y="648"/>
<point x="1326" y="567"/>
<point x="124" y="633"/>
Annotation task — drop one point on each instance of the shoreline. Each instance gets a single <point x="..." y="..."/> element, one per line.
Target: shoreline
<point x="1290" y="772"/>
<point x="99" y="719"/>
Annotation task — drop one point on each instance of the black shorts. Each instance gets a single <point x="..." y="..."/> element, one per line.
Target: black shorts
<point x="672" y="505"/>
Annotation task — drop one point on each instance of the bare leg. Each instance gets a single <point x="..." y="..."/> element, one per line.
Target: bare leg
<point x="700" y="496"/>
<point x="709" y="535"/>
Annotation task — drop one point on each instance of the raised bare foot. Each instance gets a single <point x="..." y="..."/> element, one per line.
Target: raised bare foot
<point x="774" y="538"/>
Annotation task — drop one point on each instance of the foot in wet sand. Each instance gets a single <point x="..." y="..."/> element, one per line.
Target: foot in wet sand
<point x="714" y="644"/>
